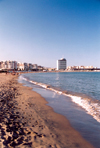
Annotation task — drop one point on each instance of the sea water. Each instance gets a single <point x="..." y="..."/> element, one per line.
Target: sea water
<point x="76" y="95"/>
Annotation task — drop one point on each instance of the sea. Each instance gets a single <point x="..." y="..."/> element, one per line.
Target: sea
<point x="76" y="95"/>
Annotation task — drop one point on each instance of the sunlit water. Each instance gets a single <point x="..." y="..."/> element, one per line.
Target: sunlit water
<point x="75" y="95"/>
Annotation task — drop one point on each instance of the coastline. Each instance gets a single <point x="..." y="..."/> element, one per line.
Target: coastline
<point x="40" y="125"/>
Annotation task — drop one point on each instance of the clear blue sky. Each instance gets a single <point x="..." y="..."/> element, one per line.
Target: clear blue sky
<point x="42" y="31"/>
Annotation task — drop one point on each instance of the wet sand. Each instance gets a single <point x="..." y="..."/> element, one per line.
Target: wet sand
<point x="26" y="121"/>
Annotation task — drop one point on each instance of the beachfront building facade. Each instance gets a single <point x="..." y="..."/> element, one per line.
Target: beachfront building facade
<point x="30" y="66"/>
<point x="14" y="66"/>
<point x="8" y="65"/>
<point x="11" y="65"/>
<point x="26" y="66"/>
<point x="35" y="67"/>
<point x="20" y="66"/>
<point x="61" y="64"/>
<point x="82" y="68"/>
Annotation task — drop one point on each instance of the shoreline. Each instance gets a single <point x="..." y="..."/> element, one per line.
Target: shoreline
<point x="85" y="101"/>
<point x="40" y="125"/>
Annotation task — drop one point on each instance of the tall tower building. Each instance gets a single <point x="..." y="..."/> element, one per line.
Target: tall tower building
<point x="61" y="64"/>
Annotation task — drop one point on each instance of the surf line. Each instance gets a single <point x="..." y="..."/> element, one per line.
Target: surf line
<point x="91" y="108"/>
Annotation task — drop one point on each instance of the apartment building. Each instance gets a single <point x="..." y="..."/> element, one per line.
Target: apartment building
<point x="30" y="66"/>
<point x="35" y="67"/>
<point x="61" y="64"/>
<point x="20" y="66"/>
<point x="9" y="65"/>
<point x="14" y="65"/>
<point x="26" y="66"/>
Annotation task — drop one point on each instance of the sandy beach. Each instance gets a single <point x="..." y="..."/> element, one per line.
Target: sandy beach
<point x="26" y="121"/>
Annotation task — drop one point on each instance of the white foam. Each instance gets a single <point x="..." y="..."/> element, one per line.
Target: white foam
<point x="91" y="108"/>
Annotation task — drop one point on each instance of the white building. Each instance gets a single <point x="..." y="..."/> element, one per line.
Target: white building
<point x="61" y="64"/>
<point x="20" y="66"/>
<point x="10" y="65"/>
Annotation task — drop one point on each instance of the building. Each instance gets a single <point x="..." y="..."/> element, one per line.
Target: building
<point x="73" y="68"/>
<point x="30" y="66"/>
<point x="61" y="64"/>
<point x="20" y="66"/>
<point x="2" y="65"/>
<point x="35" y="67"/>
<point x="26" y="66"/>
<point x="15" y="65"/>
<point x="8" y="65"/>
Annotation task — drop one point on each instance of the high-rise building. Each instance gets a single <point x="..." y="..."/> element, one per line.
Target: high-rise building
<point x="61" y="64"/>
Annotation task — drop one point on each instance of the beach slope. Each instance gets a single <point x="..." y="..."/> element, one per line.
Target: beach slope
<point x="26" y="120"/>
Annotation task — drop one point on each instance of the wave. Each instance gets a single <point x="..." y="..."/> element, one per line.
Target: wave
<point x="91" y="106"/>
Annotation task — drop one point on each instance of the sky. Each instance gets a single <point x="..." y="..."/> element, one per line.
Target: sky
<point x="43" y="31"/>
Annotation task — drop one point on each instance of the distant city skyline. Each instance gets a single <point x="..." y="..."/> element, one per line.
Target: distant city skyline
<point x="42" y="32"/>
<point x="61" y="66"/>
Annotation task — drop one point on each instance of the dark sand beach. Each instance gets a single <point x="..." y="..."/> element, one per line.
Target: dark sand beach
<point x="26" y="121"/>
